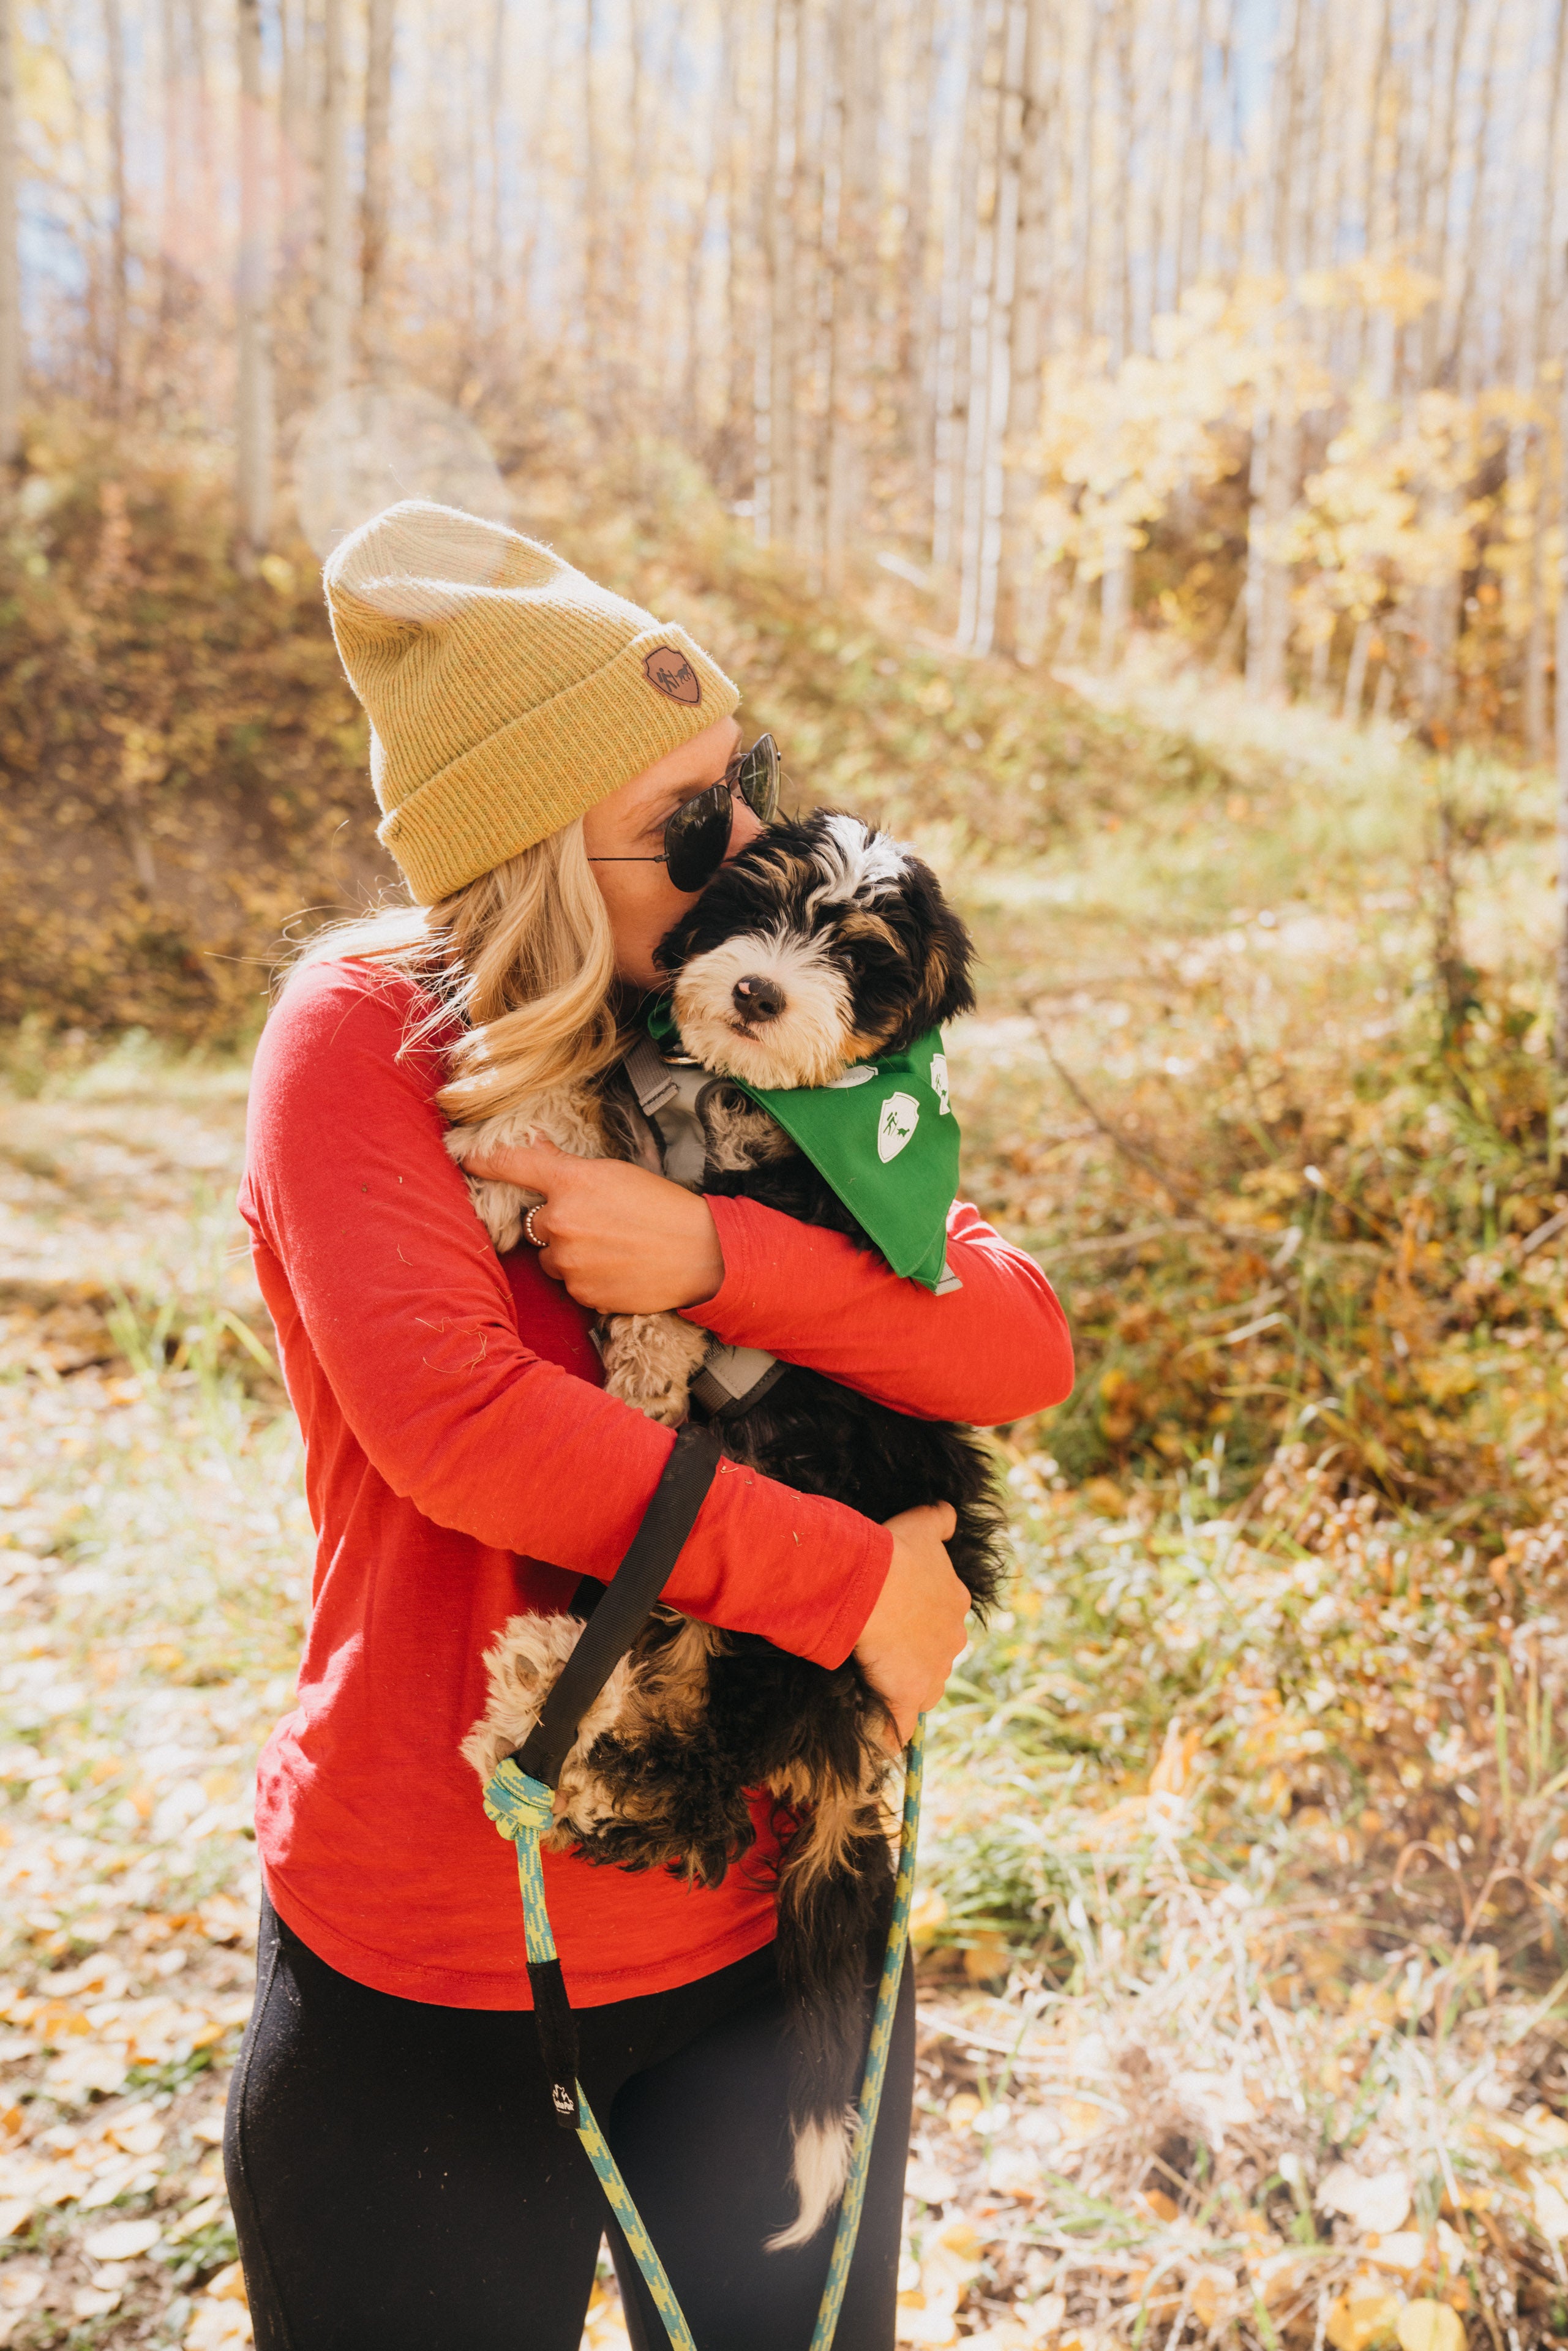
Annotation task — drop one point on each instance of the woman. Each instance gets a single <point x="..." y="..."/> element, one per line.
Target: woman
<point x="543" y="751"/>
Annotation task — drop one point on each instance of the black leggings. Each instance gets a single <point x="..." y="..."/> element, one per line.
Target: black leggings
<point x="399" y="2182"/>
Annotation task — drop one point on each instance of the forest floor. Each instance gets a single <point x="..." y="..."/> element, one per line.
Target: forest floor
<point x="1245" y="1877"/>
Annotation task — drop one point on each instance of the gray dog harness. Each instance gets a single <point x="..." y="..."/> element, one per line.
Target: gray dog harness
<point x="670" y="1095"/>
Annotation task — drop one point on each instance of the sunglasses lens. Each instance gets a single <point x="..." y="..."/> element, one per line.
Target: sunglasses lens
<point x="758" y="778"/>
<point x="696" y="837"/>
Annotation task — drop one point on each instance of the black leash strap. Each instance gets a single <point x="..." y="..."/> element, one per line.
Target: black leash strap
<point x="618" y="1616"/>
<point x="629" y="1599"/>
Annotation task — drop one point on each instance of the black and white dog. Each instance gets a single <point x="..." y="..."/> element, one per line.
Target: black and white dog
<point x="822" y="944"/>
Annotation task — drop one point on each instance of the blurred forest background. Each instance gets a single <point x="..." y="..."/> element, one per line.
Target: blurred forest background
<point x="1122" y="448"/>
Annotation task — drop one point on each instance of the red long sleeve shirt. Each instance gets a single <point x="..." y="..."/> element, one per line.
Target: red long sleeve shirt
<point x="464" y="1465"/>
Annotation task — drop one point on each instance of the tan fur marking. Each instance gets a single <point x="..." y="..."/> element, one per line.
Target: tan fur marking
<point x="741" y="1135"/>
<point x="651" y="1360"/>
<point x="568" y="1117"/>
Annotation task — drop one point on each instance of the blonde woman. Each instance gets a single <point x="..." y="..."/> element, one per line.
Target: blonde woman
<point x="558" y="775"/>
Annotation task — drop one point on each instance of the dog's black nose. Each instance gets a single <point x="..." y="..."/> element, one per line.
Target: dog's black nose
<point x="757" y="999"/>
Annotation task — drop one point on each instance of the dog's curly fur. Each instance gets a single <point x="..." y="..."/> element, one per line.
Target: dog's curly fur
<point x="823" y="944"/>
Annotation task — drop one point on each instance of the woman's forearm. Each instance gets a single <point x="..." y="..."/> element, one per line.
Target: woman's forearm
<point x="996" y="1350"/>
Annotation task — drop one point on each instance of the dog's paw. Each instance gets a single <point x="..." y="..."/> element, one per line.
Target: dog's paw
<point x="651" y="1360"/>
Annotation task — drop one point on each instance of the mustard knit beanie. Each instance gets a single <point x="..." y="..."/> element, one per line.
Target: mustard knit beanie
<point x="506" y="693"/>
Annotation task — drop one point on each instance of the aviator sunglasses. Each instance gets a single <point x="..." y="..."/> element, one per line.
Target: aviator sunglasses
<point x="696" y="834"/>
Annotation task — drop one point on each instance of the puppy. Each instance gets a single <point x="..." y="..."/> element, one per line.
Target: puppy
<point x="824" y="944"/>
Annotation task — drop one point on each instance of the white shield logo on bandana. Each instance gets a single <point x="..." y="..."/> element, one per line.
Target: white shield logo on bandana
<point x="900" y="1115"/>
<point x="939" y="1083"/>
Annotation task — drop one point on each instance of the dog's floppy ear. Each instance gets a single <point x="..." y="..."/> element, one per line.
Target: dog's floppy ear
<point x="944" y="952"/>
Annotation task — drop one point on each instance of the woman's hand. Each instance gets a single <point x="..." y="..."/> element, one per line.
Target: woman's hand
<point x="623" y="1240"/>
<point x="917" y="1628"/>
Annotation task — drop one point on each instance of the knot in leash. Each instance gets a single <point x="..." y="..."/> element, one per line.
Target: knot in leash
<point x="517" y="1806"/>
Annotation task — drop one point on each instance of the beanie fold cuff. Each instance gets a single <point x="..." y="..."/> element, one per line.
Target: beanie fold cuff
<point x="554" y="762"/>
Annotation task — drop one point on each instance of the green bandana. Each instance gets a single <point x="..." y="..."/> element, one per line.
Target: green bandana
<point x="884" y="1136"/>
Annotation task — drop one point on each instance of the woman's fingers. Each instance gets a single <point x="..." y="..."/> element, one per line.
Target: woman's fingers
<point x="531" y="1167"/>
<point x="622" y="1239"/>
<point x="917" y="1629"/>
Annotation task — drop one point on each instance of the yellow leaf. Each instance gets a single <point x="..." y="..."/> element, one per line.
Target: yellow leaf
<point x="1353" y="2326"/>
<point x="1430" y="2326"/>
<point x="229" y="2284"/>
<point x="929" y="1912"/>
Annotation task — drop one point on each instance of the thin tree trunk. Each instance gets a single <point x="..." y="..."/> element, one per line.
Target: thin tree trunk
<point x="169" y="136"/>
<point x="1561" y="1038"/>
<point x="995" y="17"/>
<point x="1019" y="616"/>
<point x="119" y="256"/>
<point x="914" y="351"/>
<point x="781" y="420"/>
<point x="1457" y="369"/>
<point x="10" y="286"/>
<point x="592" y="229"/>
<point x="375" y="353"/>
<point x="332" y="362"/>
<point x="853" y="284"/>
<point x="253" y="424"/>
<point x="494" y="97"/>
<point x="1536" y="640"/>
<point x="1355" y="673"/>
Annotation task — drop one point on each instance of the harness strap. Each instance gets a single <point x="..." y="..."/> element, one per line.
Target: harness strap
<point x="619" y="1616"/>
<point x="731" y="1379"/>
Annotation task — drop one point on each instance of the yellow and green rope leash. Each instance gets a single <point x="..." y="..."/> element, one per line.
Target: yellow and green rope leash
<point x="522" y="1810"/>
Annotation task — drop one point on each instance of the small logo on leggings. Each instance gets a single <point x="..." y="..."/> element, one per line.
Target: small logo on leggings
<point x="565" y="2104"/>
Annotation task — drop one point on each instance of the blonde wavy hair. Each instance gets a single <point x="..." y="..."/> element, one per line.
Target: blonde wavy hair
<point x="524" y="959"/>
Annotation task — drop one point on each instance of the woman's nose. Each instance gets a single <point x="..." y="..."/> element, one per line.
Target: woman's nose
<point x="757" y="999"/>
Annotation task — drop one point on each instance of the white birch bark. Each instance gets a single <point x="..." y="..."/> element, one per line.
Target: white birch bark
<point x="10" y="273"/>
<point x="997" y="251"/>
<point x="375" y="344"/>
<point x="1561" y="1036"/>
<point x="255" y="427"/>
<point x="333" y="325"/>
<point x="1019" y="612"/>
<point x="116" y="359"/>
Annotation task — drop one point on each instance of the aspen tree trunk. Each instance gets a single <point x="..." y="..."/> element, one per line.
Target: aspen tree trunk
<point x="990" y="329"/>
<point x="744" y="335"/>
<point x="169" y="139"/>
<point x="494" y="98"/>
<point x="781" y="222"/>
<point x="1355" y="674"/>
<point x="1545" y="278"/>
<point x="1115" y="576"/>
<point x="809" y="292"/>
<point x="997" y="188"/>
<point x="771" y="241"/>
<point x="853" y="280"/>
<point x="254" y="423"/>
<point x="1271" y="481"/>
<point x="1561" y="1038"/>
<point x="332" y="360"/>
<point x="592" y="251"/>
<point x="955" y="388"/>
<point x="915" y="341"/>
<point x="116" y="357"/>
<point x="375" y="350"/>
<point x="1193" y="174"/>
<point x="10" y="275"/>
<point x="1018" y="614"/>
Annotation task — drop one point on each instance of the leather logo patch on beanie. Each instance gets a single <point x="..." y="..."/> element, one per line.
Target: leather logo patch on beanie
<point x="672" y="673"/>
